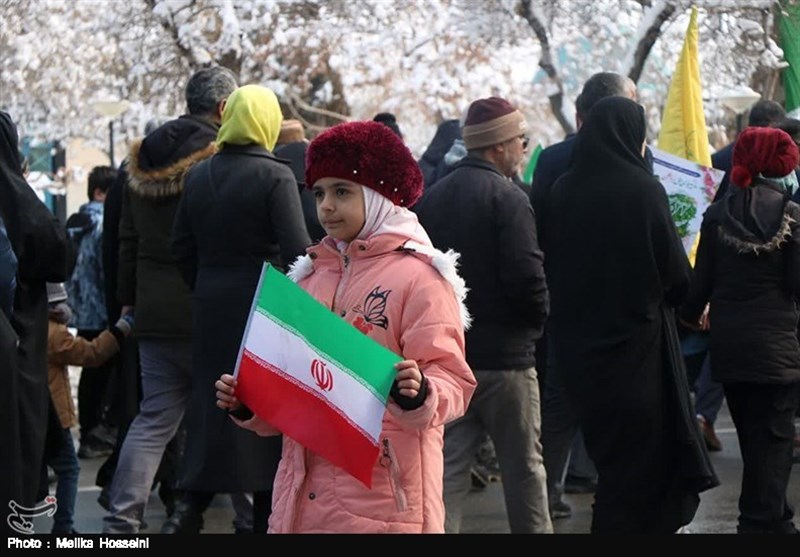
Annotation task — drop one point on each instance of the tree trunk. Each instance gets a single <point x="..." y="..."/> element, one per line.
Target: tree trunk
<point x="654" y="18"/>
<point x="546" y="63"/>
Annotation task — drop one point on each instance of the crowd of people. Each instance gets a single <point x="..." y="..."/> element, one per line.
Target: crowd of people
<point x="552" y="322"/>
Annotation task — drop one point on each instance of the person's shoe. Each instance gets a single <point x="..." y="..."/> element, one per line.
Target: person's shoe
<point x="479" y="477"/>
<point x="486" y="460"/>
<point x="167" y="496"/>
<point x="94" y="449"/>
<point x="560" y="509"/>
<point x="493" y="473"/>
<point x="709" y="435"/>
<point x="104" y="434"/>
<point x="574" y="485"/>
<point x="104" y="500"/>
<point x="184" y="520"/>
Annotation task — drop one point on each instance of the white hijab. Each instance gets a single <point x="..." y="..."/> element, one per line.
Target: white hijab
<point x="381" y="216"/>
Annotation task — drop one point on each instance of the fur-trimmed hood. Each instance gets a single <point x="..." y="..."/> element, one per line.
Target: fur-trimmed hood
<point x="756" y="219"/>
<point x="158" y="163"/>
<point x="750" y="246"/>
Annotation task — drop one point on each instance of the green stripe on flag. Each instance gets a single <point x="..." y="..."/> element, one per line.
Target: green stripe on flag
<point x="527" y="176"/>
<point x="295" y="309"/>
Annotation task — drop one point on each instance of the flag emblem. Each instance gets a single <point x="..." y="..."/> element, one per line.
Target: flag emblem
<point x="322" y="375"/>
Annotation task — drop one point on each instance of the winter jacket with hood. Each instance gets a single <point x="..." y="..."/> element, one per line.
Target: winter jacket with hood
<point x="399" y="292"/>
<point x="148" y="275"/>
<point x="748" y="268"/>
<point x="86" y="285"/>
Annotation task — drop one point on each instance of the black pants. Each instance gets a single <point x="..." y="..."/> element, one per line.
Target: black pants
<point x="764" y="419"/>
<point x="92" y="396"/>
<point x="262" y="506"/>
<point x="559" y="428"/>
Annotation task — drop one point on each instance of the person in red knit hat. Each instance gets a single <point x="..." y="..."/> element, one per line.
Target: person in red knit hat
<point x="378" y="270"/>
<point x="748" y="269"/>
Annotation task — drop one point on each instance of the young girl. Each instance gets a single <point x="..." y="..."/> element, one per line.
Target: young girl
<point x="64" y="349"/>
<point x="377" y="269"/>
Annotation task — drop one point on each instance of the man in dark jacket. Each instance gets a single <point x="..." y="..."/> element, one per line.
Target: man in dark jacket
<point x="559" y="418"/>
<point x="39" y="243"/>
<point x="479" y="212"/>
<point x="125" y="388"/>
<point x="149" y="280"/>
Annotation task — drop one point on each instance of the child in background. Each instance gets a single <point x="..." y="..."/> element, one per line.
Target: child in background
<point x="64" y="349"/>
<point x="378" y="270"/>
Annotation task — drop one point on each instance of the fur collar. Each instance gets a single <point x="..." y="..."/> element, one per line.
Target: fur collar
<point x="445" y="263"/>
<point x="744" y="246"/>
<point x="166" y="181"/>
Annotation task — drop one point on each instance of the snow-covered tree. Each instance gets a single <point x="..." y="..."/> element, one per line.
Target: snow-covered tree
<point x="424" y="60"/>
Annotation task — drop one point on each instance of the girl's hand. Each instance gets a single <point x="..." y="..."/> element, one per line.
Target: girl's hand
<point x="409" y="378"/>
<point x="226" y="387"/>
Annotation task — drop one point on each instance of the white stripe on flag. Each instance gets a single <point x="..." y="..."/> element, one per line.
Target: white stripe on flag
<point x="293" y="355"/>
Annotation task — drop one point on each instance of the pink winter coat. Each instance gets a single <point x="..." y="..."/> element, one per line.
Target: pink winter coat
<point x="397" y="297"/>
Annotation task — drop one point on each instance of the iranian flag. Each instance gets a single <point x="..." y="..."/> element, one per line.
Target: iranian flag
<point x="312" y="375"/>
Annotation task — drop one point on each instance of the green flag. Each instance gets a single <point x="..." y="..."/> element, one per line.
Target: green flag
<point x="790" y="43"/>
<point x="527" y="177"/>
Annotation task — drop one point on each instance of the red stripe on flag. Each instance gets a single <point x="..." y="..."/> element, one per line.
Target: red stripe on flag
<point x="306" y="417"/>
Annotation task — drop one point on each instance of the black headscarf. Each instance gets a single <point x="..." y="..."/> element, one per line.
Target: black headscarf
<point x="610" y="141"/>
<point x="27" y="219"/>
<point x="11" y="179"/>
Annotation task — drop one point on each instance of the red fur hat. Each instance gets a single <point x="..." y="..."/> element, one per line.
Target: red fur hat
<point x="370" y="154"/>
<point x="767" y="151"/>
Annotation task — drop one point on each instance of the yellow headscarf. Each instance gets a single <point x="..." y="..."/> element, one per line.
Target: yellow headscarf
<point x="251" y="115"/>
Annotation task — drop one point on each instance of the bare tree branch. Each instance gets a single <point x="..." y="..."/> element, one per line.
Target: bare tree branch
<point x="172" y="29"/>
<point x="296" y="100"/>
<point x="546" y="63"/>
<point x="654" y="18"/>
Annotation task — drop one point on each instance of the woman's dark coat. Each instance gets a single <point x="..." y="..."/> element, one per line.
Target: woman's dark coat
<point x="240" y="208"/>
<point x="39" y="242"/>
<point x="616" y="268"/>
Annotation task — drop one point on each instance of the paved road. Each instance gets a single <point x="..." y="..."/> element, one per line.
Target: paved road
<point x="485" y="510"/>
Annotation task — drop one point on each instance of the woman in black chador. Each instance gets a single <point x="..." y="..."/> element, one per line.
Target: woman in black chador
<point x="748" y="267"/>
<point x="38" y="241"/>
<point x="617" y="269"/>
